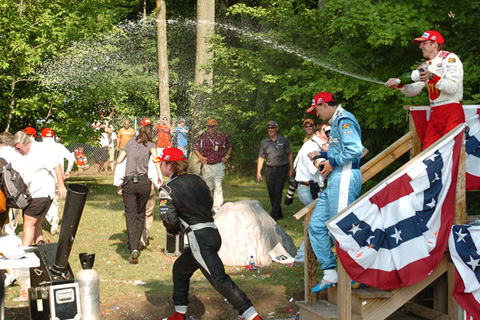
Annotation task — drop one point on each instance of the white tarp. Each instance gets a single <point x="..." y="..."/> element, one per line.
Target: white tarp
<point x="248" y="230"/>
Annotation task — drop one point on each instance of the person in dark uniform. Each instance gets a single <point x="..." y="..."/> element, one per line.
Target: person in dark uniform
<point x="186" y="205"/>
<point x="275" y="151"/>
<point x="136" y="184"/>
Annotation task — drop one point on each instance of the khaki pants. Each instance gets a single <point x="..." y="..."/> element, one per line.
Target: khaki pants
<point x="213" y="174"/>
<point x="149" y="212"/>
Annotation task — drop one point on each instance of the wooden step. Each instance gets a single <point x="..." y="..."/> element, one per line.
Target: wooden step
<point x="321" y="310"/>
<point x="361" y="297"/>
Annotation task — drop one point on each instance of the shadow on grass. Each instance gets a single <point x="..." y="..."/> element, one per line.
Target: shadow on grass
<point x="207" y="303"/>
<point x="121" y="244"/>
<point x="159" y="295"/>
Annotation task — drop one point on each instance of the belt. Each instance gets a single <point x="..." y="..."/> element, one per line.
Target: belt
<point x="198" y="226"/>
<point x="304" y="183"/>
<point x="143" y="176"/>
<point x="276" y="167"/>
<point x="211" y="164"/>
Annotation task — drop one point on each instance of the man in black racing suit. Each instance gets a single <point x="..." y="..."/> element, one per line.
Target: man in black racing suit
<point x="186" y="204"/>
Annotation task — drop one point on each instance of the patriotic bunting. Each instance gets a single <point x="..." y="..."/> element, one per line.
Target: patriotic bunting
<point x="464" y="246"/>
<point x="395" y="235"/>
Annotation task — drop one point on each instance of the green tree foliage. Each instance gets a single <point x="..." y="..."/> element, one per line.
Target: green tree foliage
<point x="290" y="50"/>
<point x="270" y="58"/>
<point x="33" y="31"/>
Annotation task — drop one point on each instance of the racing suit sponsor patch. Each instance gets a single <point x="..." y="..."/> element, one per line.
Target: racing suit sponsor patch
<point x="452" y="60"/>
<point x="346" y="126"/>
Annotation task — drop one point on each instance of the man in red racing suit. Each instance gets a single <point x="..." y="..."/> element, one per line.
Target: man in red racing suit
<point x="443" y="75"/>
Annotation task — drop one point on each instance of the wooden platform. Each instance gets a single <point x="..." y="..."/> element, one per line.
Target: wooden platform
<point x="373" y="304"/>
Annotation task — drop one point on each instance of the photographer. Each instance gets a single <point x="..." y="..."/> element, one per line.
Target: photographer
<point x="307" y="175"/>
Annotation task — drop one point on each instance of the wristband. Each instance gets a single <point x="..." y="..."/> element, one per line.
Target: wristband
<point x="227" y="157"/>
<point x="432" y="76"/>
<point x="156" y="160"/>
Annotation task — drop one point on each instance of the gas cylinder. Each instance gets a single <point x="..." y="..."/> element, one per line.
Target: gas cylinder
<point x="89" y="285"/>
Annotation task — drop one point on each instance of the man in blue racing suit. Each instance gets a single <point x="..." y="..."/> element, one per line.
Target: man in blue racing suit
<point x="342" y="166"/>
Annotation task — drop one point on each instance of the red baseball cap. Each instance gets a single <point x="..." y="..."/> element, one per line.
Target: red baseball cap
<point x="30" y="131"/>
<point x="429" y="35"/>
<point x="172" y="154"/>
<point x="318" y="99"/>
<point x="47" y="133"/>
<point x="145" y="122"/>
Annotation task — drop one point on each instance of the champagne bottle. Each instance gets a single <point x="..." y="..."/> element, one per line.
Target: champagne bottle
<point x="412" y="76"/>
<point x="409" y="77"/>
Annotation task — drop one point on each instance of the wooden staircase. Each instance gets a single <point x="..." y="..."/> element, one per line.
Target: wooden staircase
<point x="343" y="303"/>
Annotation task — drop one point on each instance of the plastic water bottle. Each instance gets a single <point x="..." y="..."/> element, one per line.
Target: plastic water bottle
<point x="251" y="263"/>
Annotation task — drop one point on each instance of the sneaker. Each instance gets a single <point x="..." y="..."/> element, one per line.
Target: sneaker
<point x="357" y="285"/>
<point x="134" y="257"/>
<point x="324" y="284"/>
<point x="54" y="227"/>
<point x="9" y="279"/>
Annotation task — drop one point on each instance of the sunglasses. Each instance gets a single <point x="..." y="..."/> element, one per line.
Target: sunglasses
<point x="308" y="126"/>
<point x="211" y="126"/>
<point x="271" y="127"/>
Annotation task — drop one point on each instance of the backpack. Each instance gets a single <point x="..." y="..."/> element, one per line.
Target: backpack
<point x="13" y="186"/>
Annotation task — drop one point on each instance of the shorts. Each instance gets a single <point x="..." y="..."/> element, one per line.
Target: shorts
<point x="100" y="155"/>
<point x="38" y="208"/>
<point x="111" y="154"/>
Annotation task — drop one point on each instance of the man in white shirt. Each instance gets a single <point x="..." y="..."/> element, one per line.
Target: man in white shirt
<point x="42" y="166"/>
<point x="63" y="153"/>
<point x="310" y="181"/>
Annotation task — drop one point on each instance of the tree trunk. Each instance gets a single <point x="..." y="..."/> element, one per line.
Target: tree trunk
<point x="204" y="53"/>
<point x="163" y="90"/>
<point x="205" y="24"/>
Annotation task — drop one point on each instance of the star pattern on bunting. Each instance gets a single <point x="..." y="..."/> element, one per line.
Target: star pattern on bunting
<point x="355" y="228"/>
<point x="397" y="235"/>
<point x="474" y="263"/>
<point x="461" y="236"/>
<point x="431" y="204"/>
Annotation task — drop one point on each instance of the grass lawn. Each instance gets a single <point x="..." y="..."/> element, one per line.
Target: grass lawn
<point x="144" y="291"/>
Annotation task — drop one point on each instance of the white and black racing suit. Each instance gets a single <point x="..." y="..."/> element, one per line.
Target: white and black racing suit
<point x="186" y="204"/>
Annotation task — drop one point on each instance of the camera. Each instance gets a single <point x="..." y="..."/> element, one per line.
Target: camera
<point x="292" y="186"/>
<point x="135" y="178"/>
<point x="317" y="160"/>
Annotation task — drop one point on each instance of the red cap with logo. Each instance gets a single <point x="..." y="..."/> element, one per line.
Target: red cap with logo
<point x="30" y="131"/>
<point x="318" y="99"/>
<point x="429" y="35"/>
<point x="47" y="133"/>
<point x="146" y="122"/>
<point x="172" y="154"/>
